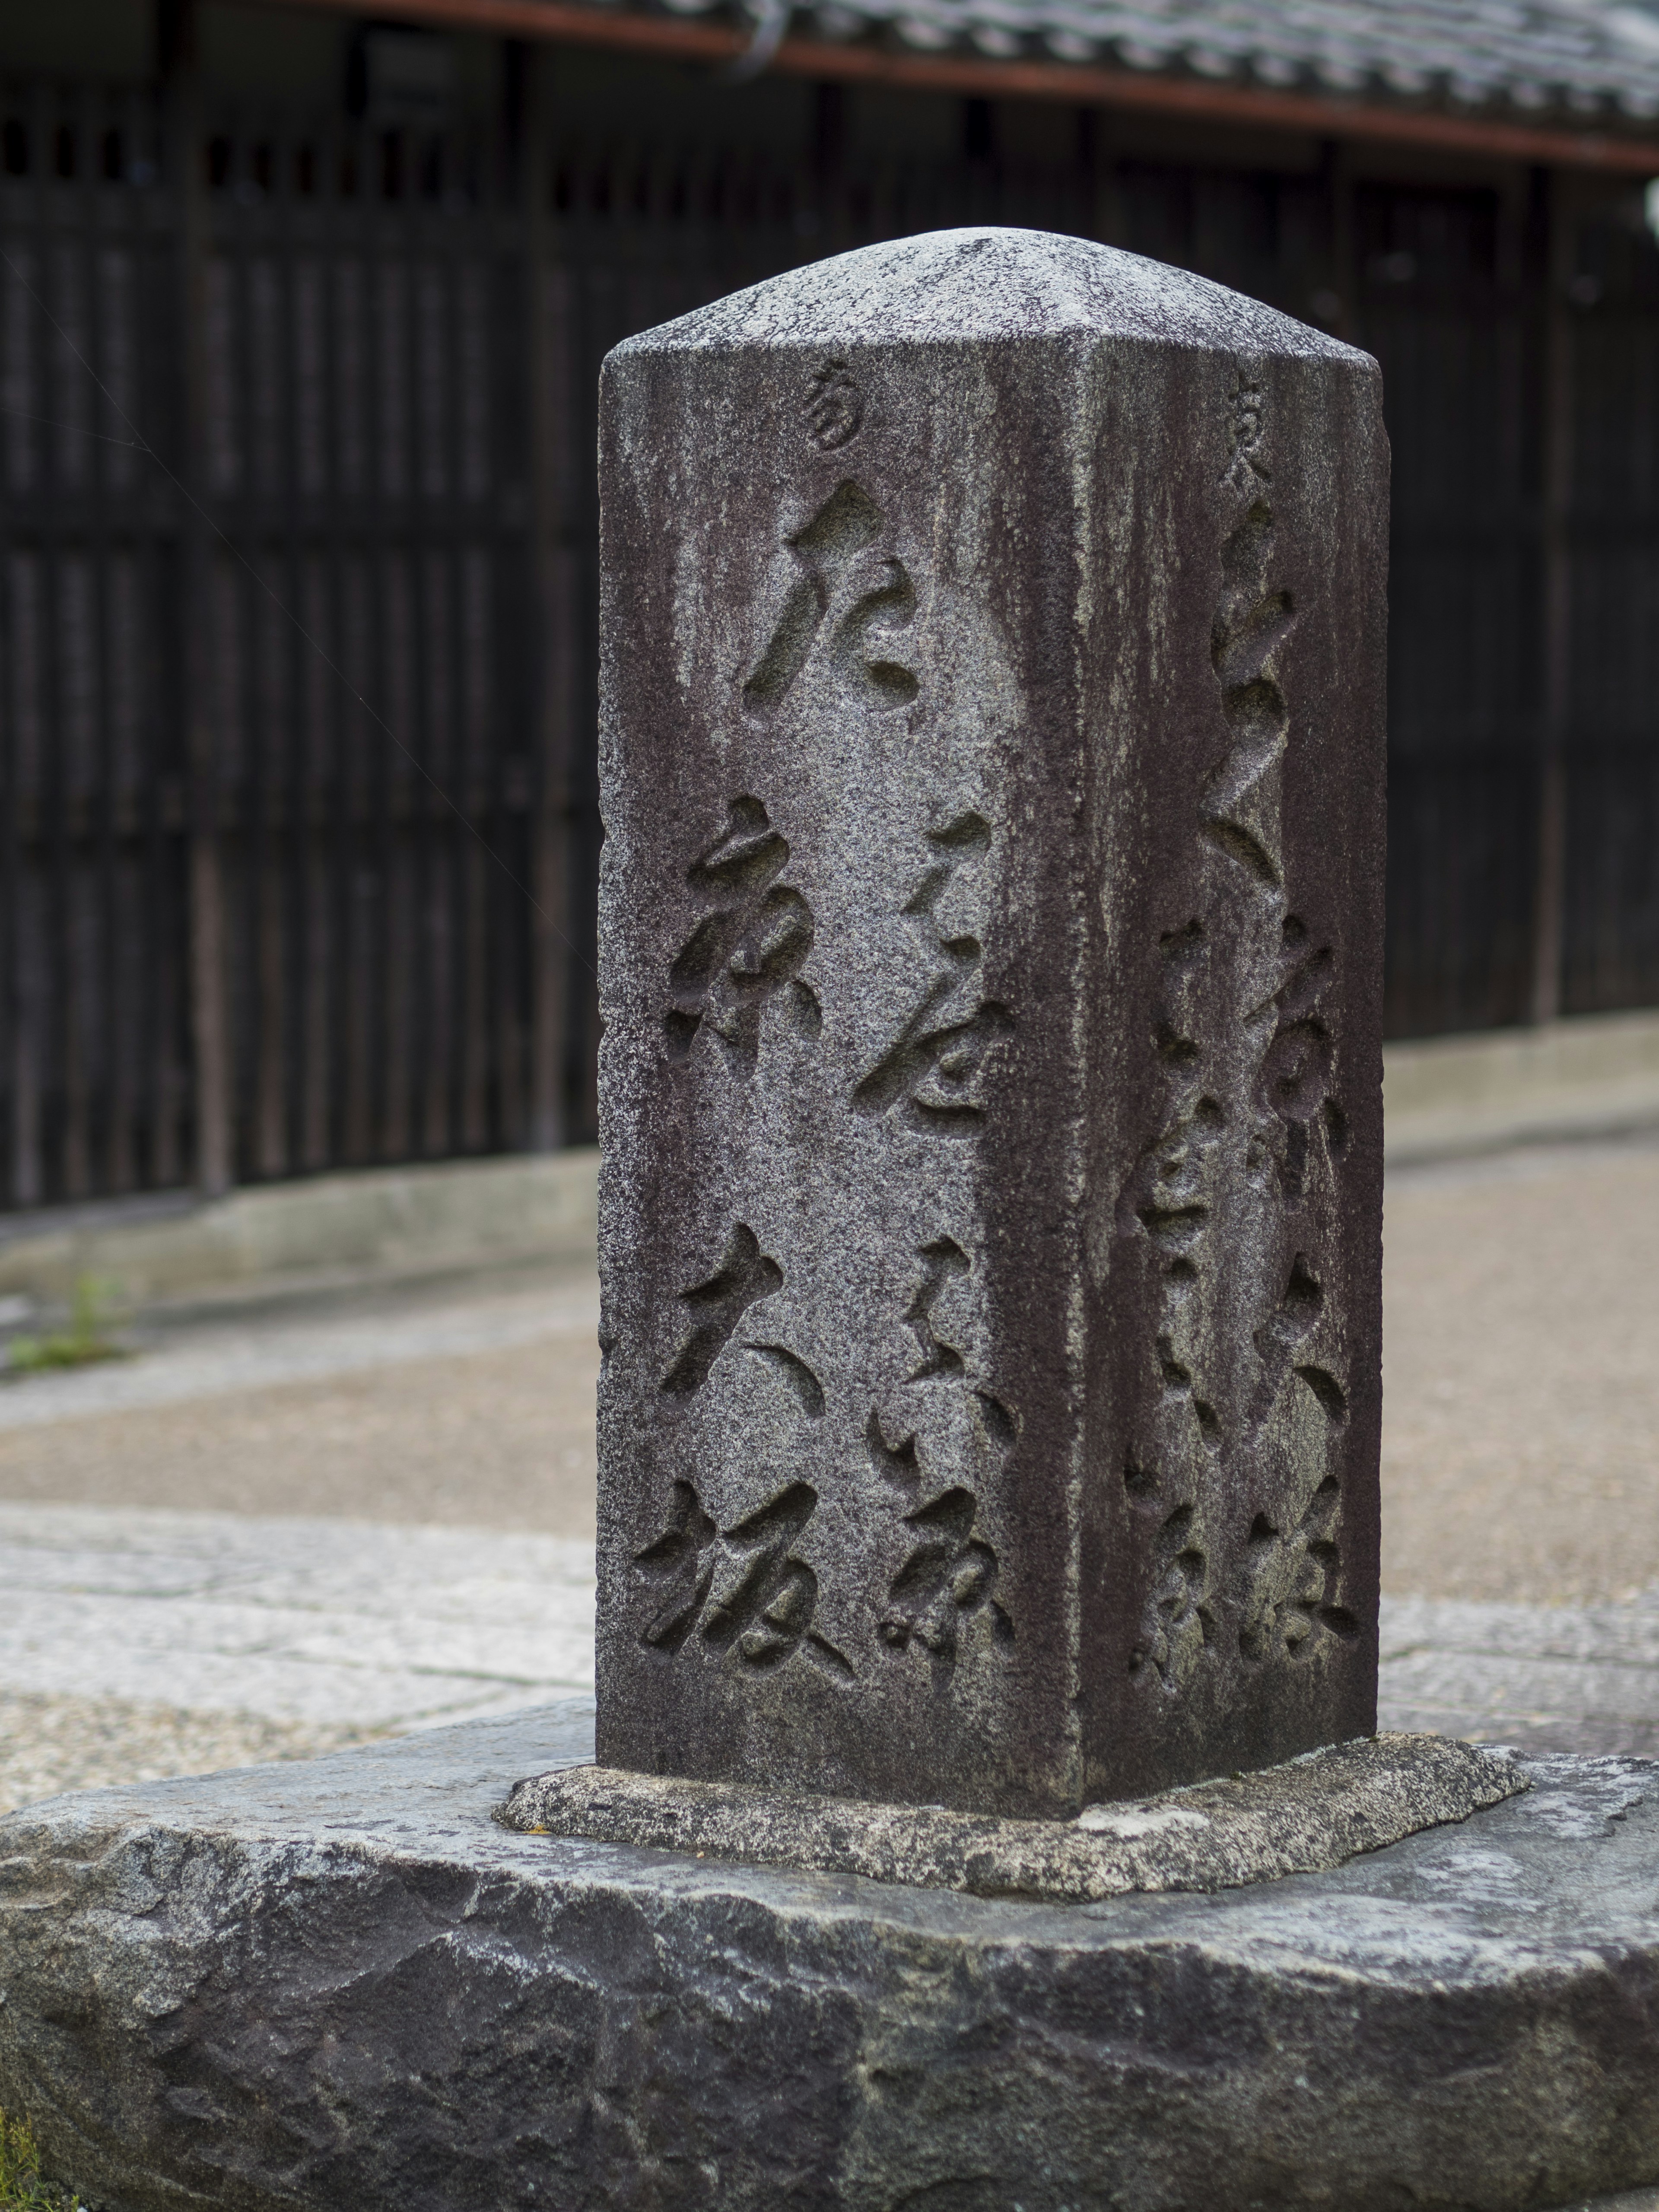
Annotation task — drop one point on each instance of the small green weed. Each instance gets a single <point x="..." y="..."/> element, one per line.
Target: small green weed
<point x="22" y="2189"/>
<point x="87" y="1337"/>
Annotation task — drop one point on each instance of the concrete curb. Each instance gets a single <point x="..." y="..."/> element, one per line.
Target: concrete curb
<point x="1596" y="1075"/>
<point x="383" y="1220"/>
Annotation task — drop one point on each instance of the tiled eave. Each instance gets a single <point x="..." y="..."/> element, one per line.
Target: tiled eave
<point x="1561" y="142"/>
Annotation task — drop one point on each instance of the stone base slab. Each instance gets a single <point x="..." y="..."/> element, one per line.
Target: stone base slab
<point x="1305" y="1817"/>
<point x="346" y="1984"/>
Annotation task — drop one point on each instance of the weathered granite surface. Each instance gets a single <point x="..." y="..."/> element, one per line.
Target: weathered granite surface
<point x="992" y="770"/>
<point x="345" y="1985"/>
<point x="1315" y="1813"/>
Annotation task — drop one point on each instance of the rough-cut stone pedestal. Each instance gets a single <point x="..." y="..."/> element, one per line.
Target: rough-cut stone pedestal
<point x="992" y="753"/>
<point x="344" y="1987"/>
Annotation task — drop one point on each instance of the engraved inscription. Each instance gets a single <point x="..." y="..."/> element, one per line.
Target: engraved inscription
<point x="930" y="1072"/>
<point x="1293" y="1083"/>
<point x="1231" y="1188"/>
<point x="858" y="590"/>
<point x="1245" y="466"/>
<point x="940" y="1261"/>
<point x="1276" y="1341"/>
<point x="951" y="1572"/>
<point x="795" y="1374"/>
<point x="1241" y="801"/>
<point x="1179" y="1622"/>
<point x="740" y="1591"/>
<point x="747" y="952"/>
<point x="1290" y="1581"/>
<point x="714" y="1308"/>
<point x="834" y="406"/>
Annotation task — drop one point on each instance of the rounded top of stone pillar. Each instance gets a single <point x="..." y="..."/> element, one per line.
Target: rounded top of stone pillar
<point x="986" y="284"/>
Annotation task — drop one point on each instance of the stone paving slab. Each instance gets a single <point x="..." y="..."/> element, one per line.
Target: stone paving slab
<point x="1550" y="1678"/>
<point x="314" y="1626"/>
<point x="1626" y="1634"/>
<point x="332" y="1622"/>
<point x="1480" y="1681"/>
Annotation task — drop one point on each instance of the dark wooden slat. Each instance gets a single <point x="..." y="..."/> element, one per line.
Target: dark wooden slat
<point x="63" y="649"/>
<point x="396" y="374"/>
<point x="112" y="1101"/>
<point x="208" y="948"/>
<point x="288" y="778"/>
<point x="395" y="995"/>
<point x="12" y="1011"/>
<point x="1548" y="333"/>
<point x="456" y="1019"/>
<point x="329" y="849"/>
<point x="551" y="406"/>
<point x="28" y="642"/>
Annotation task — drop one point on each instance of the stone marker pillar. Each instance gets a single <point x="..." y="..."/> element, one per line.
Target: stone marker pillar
<point x="992" y="909"/>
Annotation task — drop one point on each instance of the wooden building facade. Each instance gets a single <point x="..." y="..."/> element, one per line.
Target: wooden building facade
<point x="301" y="316"/>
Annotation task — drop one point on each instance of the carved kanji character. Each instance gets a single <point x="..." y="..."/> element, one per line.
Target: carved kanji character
<point x="950" y="1571"/>
<point x="1290" y="1581"/>
<point x="742" y="1589"/>
<point x="749" y="950"/>
<point x="1178" y="1623"/>
<point x="861" y="588"/>
<point x="714" y="1308"/>
<point x="1245" y="466"/>
<point x="930" y="1072"/>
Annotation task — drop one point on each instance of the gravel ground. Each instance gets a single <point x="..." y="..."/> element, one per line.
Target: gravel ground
<point x="49" y="1744"/>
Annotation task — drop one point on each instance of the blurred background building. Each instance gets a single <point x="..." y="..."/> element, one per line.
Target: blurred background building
<point x="301" y="316"/>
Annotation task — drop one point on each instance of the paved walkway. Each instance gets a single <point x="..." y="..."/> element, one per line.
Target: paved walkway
<point x="1521" y="1372"/>
<point x="282" y="1528"/>
<point x="343" y="1623"/>
<point x="467" y="1400"/>
<point x="1547" y="1678"/>
<point x="136" y="1643"/>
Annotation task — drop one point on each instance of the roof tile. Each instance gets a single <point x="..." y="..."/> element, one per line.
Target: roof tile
<point x="1575" y="57"/>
